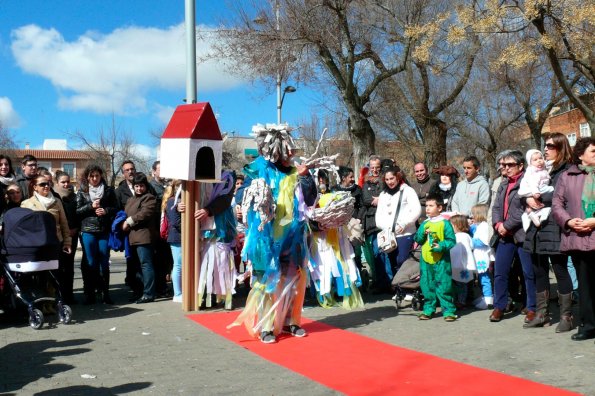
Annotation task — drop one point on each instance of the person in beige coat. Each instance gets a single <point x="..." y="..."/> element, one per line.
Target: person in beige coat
<point x="44" y="200"/>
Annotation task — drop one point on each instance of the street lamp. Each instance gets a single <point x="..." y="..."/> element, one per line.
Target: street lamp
<point x="288" y="89"/>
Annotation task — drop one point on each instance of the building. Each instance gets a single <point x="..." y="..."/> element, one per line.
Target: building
<point x="569" y="120"/>
<point x="54" y="156"/>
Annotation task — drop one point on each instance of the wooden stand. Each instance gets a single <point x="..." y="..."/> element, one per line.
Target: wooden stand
<point x="190" y="246"/>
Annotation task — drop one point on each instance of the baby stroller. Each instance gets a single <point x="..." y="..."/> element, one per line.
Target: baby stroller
<point x="406" y="282"/>
<point x="30" y="251"/>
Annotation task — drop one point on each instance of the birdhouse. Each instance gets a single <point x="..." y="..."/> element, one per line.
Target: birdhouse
<point x="192" y="146"/>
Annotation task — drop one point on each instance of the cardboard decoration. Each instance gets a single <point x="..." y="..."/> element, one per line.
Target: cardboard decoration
<point x="191" y="150"/>
<point x="192" y="145"/>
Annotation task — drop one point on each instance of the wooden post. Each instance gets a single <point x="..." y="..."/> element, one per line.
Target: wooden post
<point x="188" y="254"/>
<point x="196" y="242"/>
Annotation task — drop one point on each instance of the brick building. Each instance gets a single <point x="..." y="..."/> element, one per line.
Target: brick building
<point x="570" y="121"/>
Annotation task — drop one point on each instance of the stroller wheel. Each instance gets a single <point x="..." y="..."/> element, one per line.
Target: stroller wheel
<point x="415" y="304"/>
<point x="36" y="319"/>
<point x="65" y="314"/>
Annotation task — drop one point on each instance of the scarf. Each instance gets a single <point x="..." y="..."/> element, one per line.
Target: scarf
<point x="588" y="196"/>
<point x="46" y="201"/>
<point x="96" y="192"/>
<point x="445" y="187"/>
<point x="392" y="191"/>
<point x="512" y="181"/>
<point x="6" y="179"/>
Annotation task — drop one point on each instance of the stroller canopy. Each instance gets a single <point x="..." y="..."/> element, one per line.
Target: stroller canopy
<point x="30" y="236"/>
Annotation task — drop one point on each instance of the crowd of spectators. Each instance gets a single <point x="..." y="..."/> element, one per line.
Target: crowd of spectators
<point x="506" y="259"/>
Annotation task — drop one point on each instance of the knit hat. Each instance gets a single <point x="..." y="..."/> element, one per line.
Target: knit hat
<point x="530" y="154"/>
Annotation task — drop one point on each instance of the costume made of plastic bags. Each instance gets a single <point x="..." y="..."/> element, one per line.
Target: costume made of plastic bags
<point x="332" y="264"/>
<point x="217" y="270"/>
<point x="276" y="250"/>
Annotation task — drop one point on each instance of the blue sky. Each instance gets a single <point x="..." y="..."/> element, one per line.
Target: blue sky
<point x="69" y="65"/>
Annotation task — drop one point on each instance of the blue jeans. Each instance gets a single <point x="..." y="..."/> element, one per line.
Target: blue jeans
<point x="145" y="256"/>
<point x="96" y="250"/>
<point x="392" y="261"/>
<point x="176" y="271"/>
<point x="486" y="284"/>
<point x="505" y="253"/>
<point x="572" y="273"/>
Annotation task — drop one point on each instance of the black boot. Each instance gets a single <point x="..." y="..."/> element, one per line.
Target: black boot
<point x="565" y="301"/>
<point x="88" y="284"/>
<point x="105" y="287"/>
<point x="542" y="315"/>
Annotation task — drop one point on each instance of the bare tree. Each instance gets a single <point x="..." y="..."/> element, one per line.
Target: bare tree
<point x="111" y="146"/>
<point x="6" y="140"/>
<point x="353" y="46"/>
<point x="561" y="30"/>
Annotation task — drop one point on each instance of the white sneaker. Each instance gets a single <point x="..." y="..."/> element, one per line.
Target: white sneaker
<point x="394" y="298"/>
<point x="480" y="303"/>
<point x="408" y="297"/>
<point x="177" y="299"/>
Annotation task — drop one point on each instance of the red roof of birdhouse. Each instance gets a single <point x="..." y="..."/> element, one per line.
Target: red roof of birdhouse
<point x="194" y="121"/>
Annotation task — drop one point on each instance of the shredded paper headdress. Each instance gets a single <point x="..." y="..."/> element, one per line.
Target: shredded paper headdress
<point x="274" y="141"/>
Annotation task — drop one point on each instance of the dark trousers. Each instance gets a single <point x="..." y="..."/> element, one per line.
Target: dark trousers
<point x="66" y="271"/>
<point x="505" y="254"/>
<point x="584" y="262"/>
<point x="541" y="266"/>
<point x="162" y="263"/>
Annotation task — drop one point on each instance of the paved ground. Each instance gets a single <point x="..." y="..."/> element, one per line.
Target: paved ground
<point x="154" y="349"/>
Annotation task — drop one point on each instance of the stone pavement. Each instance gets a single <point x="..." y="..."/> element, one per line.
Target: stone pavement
<point x="153" y="349"/>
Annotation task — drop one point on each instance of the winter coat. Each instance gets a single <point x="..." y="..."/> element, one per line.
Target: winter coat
<point x="566" y="205"/>
<point x="469" y="194"/>
<point x="90" y="222"/>
<point x="141" y="212"/>
<point x="56" y="210"/>
<point x="422" y="189"/>
<point x="512" y="223"/>
<point x="546" y="239"/>
<point x="68" y="198"/>
<point x="409" y="211"/>
<point x="174" y="222"/>
<point x="369" y="191"/>
<point x="24" y="183"/>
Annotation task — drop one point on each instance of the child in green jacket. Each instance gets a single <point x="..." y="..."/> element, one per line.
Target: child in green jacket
<point x="437" y="237"/>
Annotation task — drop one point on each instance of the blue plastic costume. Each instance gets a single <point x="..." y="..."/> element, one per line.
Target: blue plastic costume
<point x="277" y="252"/>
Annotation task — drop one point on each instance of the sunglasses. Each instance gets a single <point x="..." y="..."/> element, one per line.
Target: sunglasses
<point x="550" y="146"/>
<point x="509" y="164"/>
<point x="44" y="184"/>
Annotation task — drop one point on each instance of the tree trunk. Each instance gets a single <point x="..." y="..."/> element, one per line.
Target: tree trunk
<point x="363" y="140"/>
<point x="435" y="132"/>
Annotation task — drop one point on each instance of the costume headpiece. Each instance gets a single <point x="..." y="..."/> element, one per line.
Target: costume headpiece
<point x="446" y="170"/>
<point x="274" y="141"/>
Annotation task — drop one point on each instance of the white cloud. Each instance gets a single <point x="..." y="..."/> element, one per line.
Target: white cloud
<point x="164" y="113"/>
<point x="8" y="116"/>
<point x="114" y="72"/>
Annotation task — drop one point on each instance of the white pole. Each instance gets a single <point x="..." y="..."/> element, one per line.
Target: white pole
<point x="278" y="64"/>
<point x="190" y="19"/>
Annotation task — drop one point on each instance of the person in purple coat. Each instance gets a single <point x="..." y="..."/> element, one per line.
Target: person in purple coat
<point x="573" y="207"/>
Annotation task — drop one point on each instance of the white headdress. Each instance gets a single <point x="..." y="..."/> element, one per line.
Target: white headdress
<point x="274" y="141"/>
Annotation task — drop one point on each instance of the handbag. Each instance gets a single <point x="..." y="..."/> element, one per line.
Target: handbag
<point x="387" y="240"/>
<point x="164" y="226"/>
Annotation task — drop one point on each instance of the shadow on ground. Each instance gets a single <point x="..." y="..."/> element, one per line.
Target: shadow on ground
<point x="26" y="362"/>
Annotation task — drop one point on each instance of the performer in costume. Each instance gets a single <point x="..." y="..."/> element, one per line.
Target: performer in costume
<point x="275" y="243"/>
<point x="332" y="259"/>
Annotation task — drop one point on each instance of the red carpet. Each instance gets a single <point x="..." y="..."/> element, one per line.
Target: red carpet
<point x="359" y="365"/>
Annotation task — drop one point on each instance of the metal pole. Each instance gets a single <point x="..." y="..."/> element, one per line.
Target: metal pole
<point x="190" y="245"/>
<point x="278" y="64"/>
<point x="190" y="14"/>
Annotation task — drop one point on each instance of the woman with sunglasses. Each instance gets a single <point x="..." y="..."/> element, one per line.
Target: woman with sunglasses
<point x="44" y="199"/>
<point x="506" y="219"/>
<point x="543" y="242"/>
